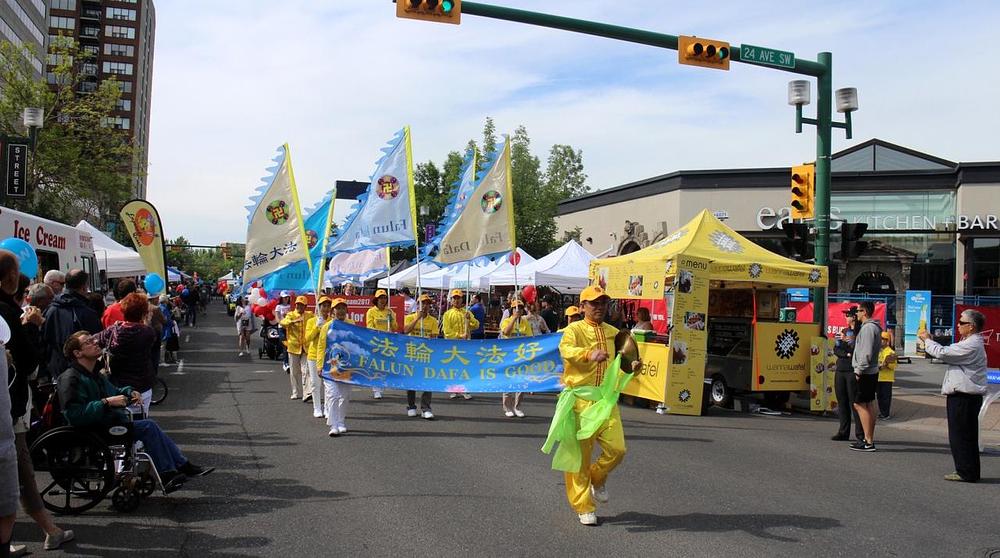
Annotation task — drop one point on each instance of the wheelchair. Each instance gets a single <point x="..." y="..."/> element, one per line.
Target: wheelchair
<point x="77" y="467"/>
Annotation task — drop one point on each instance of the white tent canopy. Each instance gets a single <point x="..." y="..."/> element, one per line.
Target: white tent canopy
<point x="466" y="275"/>
<point x="228" y="277"/>
<point x="396" y="280"/>
<point x="116" y="260"/>
<point x="567" y="268"/>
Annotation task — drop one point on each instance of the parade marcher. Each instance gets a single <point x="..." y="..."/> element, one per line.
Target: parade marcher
<point x="379" y="317"/>
<point x="845" y="383"/>
<point x="964" y="385"/>
<point x="420" y="324"/>
<point x="517" y="325"/>
<point x="865" y="364"/>
<point x="573" y="314"/>
<point x="458" y="323"/>
<point x="479" y="312"/>
<point x="886" y="376"/>
<point x="587" y="347"/>
<point x="314" y="361"/>
<point x="129" y="344"/>
<point x="295" y="327"/>
<point x="336" y="394"/>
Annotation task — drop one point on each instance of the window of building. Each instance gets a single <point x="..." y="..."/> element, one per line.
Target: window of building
<point x="121" y="13"/>
<point x="63" y="4"/>
<point x="88" y="69"/>
<point x="60" y="22"/>
<point x="124" y="104"/>
<point x="90" y="31"/>
<point x="123" y="68"/>
<point x="117" y="122"/>
<point x="119" y="32"/>
<point x="26" y="20"/>
<point x="56" y="59"/>
<point x="125" y="86"/>
<point x="983" y="266"/>
<point x="90" y="49"/>
<point x="113" y="49"/>
<point x="88" y="86"/>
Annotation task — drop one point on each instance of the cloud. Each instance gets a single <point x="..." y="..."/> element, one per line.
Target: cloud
<point x="235" y="79"/>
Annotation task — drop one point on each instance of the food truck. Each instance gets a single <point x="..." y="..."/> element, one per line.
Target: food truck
<point x="57" y="246"/>
<point x="724" y="334"/>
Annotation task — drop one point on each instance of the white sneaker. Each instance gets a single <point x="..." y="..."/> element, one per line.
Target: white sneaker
<point x="508" y="414"/>
<point x="518" y="413"/>
<point x="342" y="429"/>
<point x="454" y="396"/>
<point x="600" y="495"/>
<point x="589" y="518"/>
<point x="241" y="354"/>
<point x="334" y="432"/>
<point x="411" y="412"/>
<point x="661" y="410"/>
<point x="467" y="396"/>
<point x="427" y="414"/>
<point x="294" y="396"/>
<point x="377" y="394"/>
<point x="317" y="414"/>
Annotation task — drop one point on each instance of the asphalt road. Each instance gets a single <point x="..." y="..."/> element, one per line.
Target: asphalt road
<point x="473" y="483"/>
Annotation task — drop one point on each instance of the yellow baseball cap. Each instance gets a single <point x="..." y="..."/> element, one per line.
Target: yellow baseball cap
<point x="885" y="335"/>
<point x="516" y="302"/>
<point x="381" y="292"/>
<point x="302" y="300"/>
<point x="592" y="293"/>
<point x="338" y="302"/>
<point x="323" y="299"/>
<point x="457" y="292"/>
<point x="572" y="311"/>
<point x="424" y="297"/>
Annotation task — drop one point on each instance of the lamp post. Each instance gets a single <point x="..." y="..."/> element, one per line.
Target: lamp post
<point x="15" y="156"/>
<point x="34" y="120"/>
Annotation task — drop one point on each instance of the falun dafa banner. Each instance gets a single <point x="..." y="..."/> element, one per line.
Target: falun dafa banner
<point x="372" y="358"/>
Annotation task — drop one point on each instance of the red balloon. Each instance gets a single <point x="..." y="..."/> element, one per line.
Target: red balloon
<point x="529" y="293"/>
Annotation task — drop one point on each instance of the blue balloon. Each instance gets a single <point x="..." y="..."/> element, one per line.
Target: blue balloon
<point x="25" y="255"/>
<point x="153" y="283"/>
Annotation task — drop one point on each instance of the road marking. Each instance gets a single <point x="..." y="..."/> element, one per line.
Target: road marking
<point x="180" y="368"/>
<point x="187" y="337"/>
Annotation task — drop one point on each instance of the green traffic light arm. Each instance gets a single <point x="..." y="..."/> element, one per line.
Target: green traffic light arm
<point x="662" y="40"/>
<point x="800" y="120"/>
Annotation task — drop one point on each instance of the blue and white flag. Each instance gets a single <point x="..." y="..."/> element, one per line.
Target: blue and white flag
<point x="368" y="357"/>
<point x="385" y="214"/>
<point x="299" y="276"/>
<point x="461" y="193"/>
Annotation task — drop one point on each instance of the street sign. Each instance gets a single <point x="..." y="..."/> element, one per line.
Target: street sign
<point x="16" y="169"/>
<point x="767" y="56"/>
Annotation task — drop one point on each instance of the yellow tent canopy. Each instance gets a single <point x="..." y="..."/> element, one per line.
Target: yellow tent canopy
<point x="731" y="258"/>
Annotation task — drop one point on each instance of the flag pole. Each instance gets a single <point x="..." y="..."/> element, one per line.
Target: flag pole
<point x="322" y="250"/>
<point x="413" y="207"/>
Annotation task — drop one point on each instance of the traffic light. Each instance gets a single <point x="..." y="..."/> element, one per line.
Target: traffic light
<point x="797" y="245"/>
<point x="707" y="53"/>
<point x="851" y="245"/>
<point x="803" y="191"/>
<point x="441" y="11"/>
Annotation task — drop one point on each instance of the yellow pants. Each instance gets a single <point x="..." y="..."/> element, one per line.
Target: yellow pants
<point x="612" y="440"/>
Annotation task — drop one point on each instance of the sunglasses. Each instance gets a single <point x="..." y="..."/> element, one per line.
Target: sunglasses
<point x="960" y="322"/>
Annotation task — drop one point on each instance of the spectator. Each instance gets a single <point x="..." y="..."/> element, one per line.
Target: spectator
<point x="865" y="364"/>
<point x="409" y="303"/>
<point x="191" y="299"/>
<point x="538" y="325"/>
<point x="171" y="334"/>
<point x="56" y="280"/>
<point x="643" y="321"/>
<point x="244" y="325"/>
<point x="964" y="385"/>
<point x="548" y="314"/>
<point x="129" y="343"/>
<point x="22" y="351"/>
<point x="479" y="312"/>
<point x="8" y="456"/>
<point x="349" y="289"/>
<point x="38" y="299"/>
<point x="89" y="399"/>
<point x="156" y="320"/>
<point x="886" y="376"/>
<point x="845" y="384"/>
<point x="113" y="313"/>
<point x="68" y="312"/>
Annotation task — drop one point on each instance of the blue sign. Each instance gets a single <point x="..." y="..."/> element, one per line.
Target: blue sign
<point x="372" y="358"/>
<point x="798" y="295"/>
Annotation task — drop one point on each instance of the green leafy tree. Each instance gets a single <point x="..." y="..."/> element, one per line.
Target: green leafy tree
<point x="572" y="235"/>
<point x="564" y="173"/>
<point x="81" y="167"/>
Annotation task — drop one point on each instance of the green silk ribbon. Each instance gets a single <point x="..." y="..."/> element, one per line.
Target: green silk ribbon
<point x="564" y="428"/>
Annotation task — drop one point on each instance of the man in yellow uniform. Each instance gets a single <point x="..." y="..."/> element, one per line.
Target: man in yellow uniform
<point x="517" y="325"/>
<point x="335" y="393"/>
<point x="572" y="314"/>
<point x="587" y="346"/>
<point x="420" y="324"/>
<point x="458" y="323"/>
<point x="313" y="327"/>
<point x="382" y="318"/>
<point x="294" y="323"/>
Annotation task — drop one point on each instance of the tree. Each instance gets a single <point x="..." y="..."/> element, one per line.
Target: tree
<point x="534" y="204"/>
<point x="572" y="235"/>
<point x="81" y="167"/>
<point x="489" y="137"/>
<point x="564" y="173"/>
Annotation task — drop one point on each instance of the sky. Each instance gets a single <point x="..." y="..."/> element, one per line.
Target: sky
<point x="235" y="79"/>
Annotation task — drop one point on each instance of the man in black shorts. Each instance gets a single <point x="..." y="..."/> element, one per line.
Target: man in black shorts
<point x="865" y="363"/>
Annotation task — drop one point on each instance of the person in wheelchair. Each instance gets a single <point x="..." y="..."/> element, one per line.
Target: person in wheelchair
<point x="87" y="399"/>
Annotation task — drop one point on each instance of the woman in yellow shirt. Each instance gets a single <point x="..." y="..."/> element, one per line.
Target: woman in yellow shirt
<point x="337" y="394"/>
<point x="517" y="325"/>
<point x="382" y="318"/>
<point x="314" y="325"/>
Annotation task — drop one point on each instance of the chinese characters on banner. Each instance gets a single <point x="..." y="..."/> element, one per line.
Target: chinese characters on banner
<point x="368" y="357"/>
<point x="688" y="338"/>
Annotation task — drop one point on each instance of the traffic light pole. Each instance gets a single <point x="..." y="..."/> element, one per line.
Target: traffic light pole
<point x="822" y="69"/>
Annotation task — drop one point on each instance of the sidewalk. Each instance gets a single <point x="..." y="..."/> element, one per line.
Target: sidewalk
<point x="917" y="403"/>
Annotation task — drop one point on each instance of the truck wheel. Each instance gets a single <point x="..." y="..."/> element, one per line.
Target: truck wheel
<point x="720" y="393"/>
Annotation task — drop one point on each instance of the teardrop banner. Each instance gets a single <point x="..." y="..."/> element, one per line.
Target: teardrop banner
<point x="142" y="222"/>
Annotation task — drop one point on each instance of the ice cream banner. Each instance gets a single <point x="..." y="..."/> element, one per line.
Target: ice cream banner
<point x="822" y="371"/>
<point x="143" y="225"/>
<point x="688" y="336"/>
<point x="781" y="356"/>
<point x="631" y="280"/>
<point x="369" y="357"/>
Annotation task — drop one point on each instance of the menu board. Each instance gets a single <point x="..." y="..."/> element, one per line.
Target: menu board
<point x="688" y="337"/>
<point x="627" y="279"/>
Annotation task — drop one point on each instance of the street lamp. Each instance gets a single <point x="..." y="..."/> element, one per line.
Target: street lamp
<point x="34" y="119"/>
<point x="847" y="102"/>
<point x="798" y="96"/>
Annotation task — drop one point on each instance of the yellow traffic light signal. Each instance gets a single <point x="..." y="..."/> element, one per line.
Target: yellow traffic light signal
<point x="441" y="11"/>
<point x="707" y="53"/>
<point x="803" y="191"/>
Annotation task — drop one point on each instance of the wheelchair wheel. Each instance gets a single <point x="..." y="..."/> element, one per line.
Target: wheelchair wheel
<point x="125" y="499"/>
<point x="159" y="392"/>
<point x="146" y="485"/>
<point x="74" y="469"/>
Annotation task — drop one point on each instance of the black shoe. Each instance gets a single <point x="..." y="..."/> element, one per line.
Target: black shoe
<point x="862" y="446"/>
<point x="192" y="470"/>
<point x="172" y="480"/>
<point x="840" y="437"/>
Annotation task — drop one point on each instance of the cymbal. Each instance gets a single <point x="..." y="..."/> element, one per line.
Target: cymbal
<point x="626" y="346"/>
